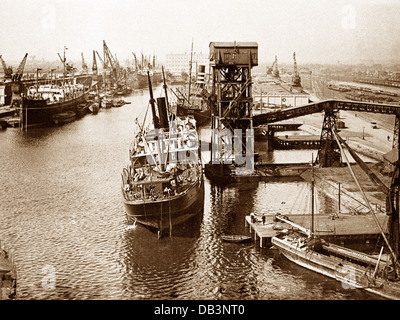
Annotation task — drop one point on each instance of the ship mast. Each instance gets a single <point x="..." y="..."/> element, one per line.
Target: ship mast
<point x="392" y="253"/>
<point x="190" y="71"/>
<point x="312" y="196"/>
<point x="165" y="88"/>
<point x="156" y="122"/>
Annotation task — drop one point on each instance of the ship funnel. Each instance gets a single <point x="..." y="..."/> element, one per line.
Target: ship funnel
<point x="162" y="112"/>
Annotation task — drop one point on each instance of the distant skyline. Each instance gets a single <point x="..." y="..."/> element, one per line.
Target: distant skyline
<point x="319" y="31"/>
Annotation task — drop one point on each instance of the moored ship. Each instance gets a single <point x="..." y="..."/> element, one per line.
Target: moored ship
<point x="163" y="185"/>
<point x="42" y="104"/>
<point x="197" y="101"/>
<point x="56" y="102"/>
<point x="354" y="269"/>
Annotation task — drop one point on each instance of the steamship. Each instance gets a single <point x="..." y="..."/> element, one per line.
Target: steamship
<point x="163" y="184"/>
<point x="44" y="104"/>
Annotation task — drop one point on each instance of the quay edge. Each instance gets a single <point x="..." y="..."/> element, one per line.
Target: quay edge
<point x="342" y="229"/>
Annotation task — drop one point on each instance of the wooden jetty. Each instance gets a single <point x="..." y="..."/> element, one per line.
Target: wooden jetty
<point x="343" y="228"/>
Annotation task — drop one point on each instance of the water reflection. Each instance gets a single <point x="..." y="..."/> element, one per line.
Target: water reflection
<point x="62" y="207"/>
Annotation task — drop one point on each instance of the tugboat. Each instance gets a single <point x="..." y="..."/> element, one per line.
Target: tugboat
<point x="163" y="185"/>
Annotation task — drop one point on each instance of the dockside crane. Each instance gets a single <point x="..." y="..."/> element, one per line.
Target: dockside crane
<point x="110" y="61"/>
<point x="117" y="67"/>
<point x="7" y="70"/>
<point x="104" y="65"/>
<point x="67" y="68"/>
<point x="16" y="77"/>
<point x="85" y="67"/>
<point x="136" y="62"/>
<point x="275" y="70"/>
<point x="296" y="81"/>
<point x="94" y="65"/>
<point x="108" y="58"/>
<point x="17" y="86"/>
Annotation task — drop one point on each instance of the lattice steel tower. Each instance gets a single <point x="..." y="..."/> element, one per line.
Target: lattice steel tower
<point x="232" y="91"/>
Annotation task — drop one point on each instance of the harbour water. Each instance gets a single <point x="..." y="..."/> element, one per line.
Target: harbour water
<point x="62" y="216"/>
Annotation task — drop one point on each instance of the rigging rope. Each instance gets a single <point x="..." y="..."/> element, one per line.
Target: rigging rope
<point x="366" y="199"/>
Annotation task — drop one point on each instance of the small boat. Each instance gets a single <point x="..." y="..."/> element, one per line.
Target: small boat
<point x="14" y="122"/>
<point x="81" y="110"/>
<point x="3" y="124"/>
<point x="119" y="103"/>
<point x="107" y="103"/>
<point x="236" y="238"/>
<point x="94" y="108"/>
<point x="63" y="118"/>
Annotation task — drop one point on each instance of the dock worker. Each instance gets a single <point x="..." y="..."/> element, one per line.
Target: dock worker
<point x="252" y="218"/>
<point x="263" y="219"/>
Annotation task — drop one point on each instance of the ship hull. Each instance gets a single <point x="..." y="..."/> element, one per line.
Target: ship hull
<point x="37" y="112"/>
<point x="143" y="82"/>
<point x="160" y="214"/>
<point x="351" y="275"/>
<point x="202" y="117"/>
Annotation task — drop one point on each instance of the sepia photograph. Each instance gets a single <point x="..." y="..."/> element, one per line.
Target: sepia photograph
<point x="199" y="156"/>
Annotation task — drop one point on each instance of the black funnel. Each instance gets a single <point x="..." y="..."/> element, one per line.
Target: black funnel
<point x="162" y="111"/>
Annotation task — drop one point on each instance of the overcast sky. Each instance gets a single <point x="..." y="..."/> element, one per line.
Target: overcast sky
<point x="317" y="30"/>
